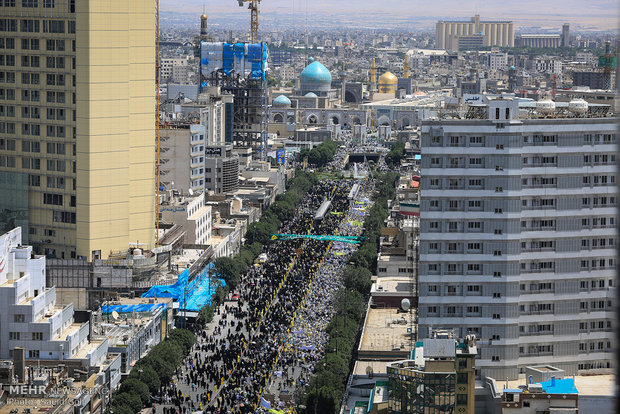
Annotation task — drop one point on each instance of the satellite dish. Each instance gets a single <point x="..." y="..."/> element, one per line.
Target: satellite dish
<point x="115" y="315"/>
<point x="405" y="304"/>
<point x="191" y="192"/>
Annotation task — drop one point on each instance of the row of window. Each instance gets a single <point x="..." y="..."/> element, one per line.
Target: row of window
<point x="33" y="95"/>
<point x="584" y="347"/>
<point x="34" y="112"/>
<point x="595" y="305"/>
<point x="598" y="201"/>
<point x="530" y="161"/>
<point x="595" y="326"/>
<point x="51" y="182"/>
<point x="536" y="139"/>
<point x="34" y="26"/>
<point x="35" y="146"/>
<point x="47" y="4"/>
<point x="457" y="268"/>
<point x="16" y="336"/>
<point x="55" y="131"/>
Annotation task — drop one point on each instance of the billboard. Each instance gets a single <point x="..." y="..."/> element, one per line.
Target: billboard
<point x="280" y="156"/>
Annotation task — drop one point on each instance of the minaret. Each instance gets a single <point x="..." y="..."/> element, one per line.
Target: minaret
<point x="343" y="85"/>
<point x="406" y="66"/>
<point x="204" y="34"/>
<point x="373" y="76"/>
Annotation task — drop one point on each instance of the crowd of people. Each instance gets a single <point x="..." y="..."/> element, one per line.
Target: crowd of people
<point x="307" y="340"/>
<point x="230" y="365"/>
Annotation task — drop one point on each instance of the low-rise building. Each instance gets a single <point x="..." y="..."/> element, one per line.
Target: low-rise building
<point x="192" y="214"/>
<point x="440" y="377"/>
<point x="134" y="326"/>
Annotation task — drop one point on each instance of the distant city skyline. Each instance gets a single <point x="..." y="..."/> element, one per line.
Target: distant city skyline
<point x="599" y="14"/>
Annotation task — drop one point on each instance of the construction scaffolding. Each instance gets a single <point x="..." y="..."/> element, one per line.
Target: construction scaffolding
<point x="240" y="69"/>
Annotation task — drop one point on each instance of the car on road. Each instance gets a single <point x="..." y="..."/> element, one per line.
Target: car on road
<point x="235" y="296"/>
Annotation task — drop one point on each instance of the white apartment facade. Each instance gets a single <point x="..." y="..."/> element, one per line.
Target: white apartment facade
<point x="29" y="317"/>
<point x="174" y="70"/>
<point x="518" y="238"/>
<point x="193" y="215"/>
<point x="498" y="61"/>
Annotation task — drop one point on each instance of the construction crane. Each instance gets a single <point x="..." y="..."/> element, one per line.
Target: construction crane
<point x="253" y="6"/>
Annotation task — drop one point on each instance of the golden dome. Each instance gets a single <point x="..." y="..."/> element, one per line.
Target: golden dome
<point x="203" y="17"/>
<point x="388" y="78"/>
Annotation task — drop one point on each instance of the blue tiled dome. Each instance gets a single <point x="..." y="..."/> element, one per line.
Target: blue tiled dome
<point x="315" y="78"/>
<point x="282" y="101"/>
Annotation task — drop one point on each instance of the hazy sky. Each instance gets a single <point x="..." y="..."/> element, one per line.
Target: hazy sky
<point x="603" y="13"/>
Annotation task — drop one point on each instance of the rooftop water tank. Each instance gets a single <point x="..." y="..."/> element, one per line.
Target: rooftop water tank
<point x="545" y="107"/>
<point x="578" y="106"/>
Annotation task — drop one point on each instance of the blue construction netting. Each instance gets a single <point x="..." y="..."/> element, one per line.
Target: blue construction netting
<point x="247" y="60"/>
<point x="191" y="296"/>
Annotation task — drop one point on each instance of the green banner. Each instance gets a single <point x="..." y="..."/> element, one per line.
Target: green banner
<point x="343" y="239"/>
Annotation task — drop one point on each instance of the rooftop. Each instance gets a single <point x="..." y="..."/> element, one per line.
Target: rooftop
<point x="586" y="384"/>
<point x="396" y="284"/>
<point x="385" y="330"/>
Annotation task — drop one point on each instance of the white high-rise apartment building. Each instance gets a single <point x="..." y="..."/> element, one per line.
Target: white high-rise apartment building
<point x="518" y="236"/>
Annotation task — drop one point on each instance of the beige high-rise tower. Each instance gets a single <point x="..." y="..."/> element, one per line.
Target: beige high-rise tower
<point x="77" y="124"/>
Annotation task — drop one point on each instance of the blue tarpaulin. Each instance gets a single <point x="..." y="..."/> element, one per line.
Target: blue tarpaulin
<point x="192" y="296"/>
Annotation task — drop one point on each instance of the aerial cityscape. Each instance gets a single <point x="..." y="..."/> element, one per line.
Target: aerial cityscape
<point x="310" y="207"/>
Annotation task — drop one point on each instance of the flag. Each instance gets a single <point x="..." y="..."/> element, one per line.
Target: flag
<point x="410" y="209"/>
<point x="264" y="403"/>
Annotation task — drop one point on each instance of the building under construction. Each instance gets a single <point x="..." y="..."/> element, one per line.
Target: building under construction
<point x="240" y="69"/>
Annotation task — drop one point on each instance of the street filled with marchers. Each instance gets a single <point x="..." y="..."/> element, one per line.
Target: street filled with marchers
<point x="232" y="364"/>
<point x="280" y="335"/>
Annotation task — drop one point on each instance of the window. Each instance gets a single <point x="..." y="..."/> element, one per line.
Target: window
<point x="30" y="3"/>
<point x="37" y="336"/>
<point x="19" y="318"/>
<point x="53" y="26"/>
<point x="52" y="199"/>
<point x="29" y="26"/>
<point x="432" y="309"/>
<point x="496" y="316"/>
<point x="14" y="336"/>
<point x="33" y="354"/>
<point x="461" y="398"/>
